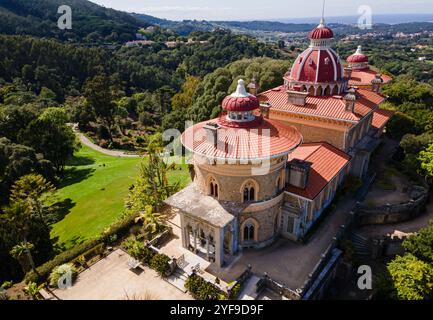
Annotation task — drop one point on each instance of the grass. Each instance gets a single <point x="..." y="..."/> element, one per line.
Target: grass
<point x="92" y="193"/>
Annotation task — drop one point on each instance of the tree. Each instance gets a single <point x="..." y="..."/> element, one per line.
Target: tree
<point x="38" y="192"/>
<point x="152" y="186"/>
<point x="412" y="278"/>
<point x="20" y="253"/>
<point x="421" y="244"/>
<point x="19" y="214"/>
<point x="152" y="221"/>
<point x="50" y="136"/>
<point x="426" y="158"/>
<point x="101" y="95"/>
<point x="399" y="125"/>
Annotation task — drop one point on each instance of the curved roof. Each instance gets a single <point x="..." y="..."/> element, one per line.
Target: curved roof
<point x="357" y="57"/>
<point x="321" y="32"/>
<point x="317" y="65"/>
<point x="265" y="140"/>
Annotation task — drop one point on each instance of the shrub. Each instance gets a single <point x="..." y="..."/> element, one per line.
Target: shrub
<point x="60" y="271"/>
<point x="160" y="263"/>
<point x="235" y="291"/>
<point x="138" y="250"/>
<point x="200" y="289"/>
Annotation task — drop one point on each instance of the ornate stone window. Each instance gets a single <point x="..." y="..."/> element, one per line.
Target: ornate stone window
<point x="250" y="230"/>
<point x="213" y="189"/>
<point x="249" y="191"/>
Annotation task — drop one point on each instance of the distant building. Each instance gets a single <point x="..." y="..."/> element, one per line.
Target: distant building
<point x="138" y="43"/>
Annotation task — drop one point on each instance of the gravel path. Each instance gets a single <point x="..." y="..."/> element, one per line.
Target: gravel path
<point x="114" y="153"/>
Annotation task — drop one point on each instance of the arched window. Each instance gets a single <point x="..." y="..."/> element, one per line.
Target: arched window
<point x="249" y="232"/>
<point x="213" y="187"/>
<point x="249" y="190"/>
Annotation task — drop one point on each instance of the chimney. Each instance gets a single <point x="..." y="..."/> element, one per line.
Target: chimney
<point x="297" y="98"/>
<point x="377" y="83"/>
<point x="298" y="173"/>
<point x="253" y="87"/>
<point x="350" y="99"/>
<point x="264" y="109"/>
<point x="211" y="130"/>
<point x="347" y="72"/>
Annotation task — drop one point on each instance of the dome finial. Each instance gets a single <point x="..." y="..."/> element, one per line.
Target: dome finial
<point x="322" y="20"/>
<point x="240" y="89"/>
<point x="359" y="50"/>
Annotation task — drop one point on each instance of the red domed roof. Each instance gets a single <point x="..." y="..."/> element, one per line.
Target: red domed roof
<point x="317" y="65"/>
<point x="240" y="100"/>
<point x="357" y="57"/>
<point x="321" y="32"/>
<point x="265" y="140"/>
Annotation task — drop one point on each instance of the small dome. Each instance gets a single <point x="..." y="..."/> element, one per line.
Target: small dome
<point x="321" y="32"/>
<point x="240" y="100"/>
<point x="358" y="57"/>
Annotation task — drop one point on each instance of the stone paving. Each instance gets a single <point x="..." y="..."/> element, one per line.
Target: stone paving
<point x="111" y="279"/>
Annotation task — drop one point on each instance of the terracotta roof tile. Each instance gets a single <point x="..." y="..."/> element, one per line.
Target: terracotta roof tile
<point x="381" y="117"/>
<point x="326" y="163"/>
<point x="264" y="140"/>
<point x="324" y="106"/>
<point x="364" y="77"/>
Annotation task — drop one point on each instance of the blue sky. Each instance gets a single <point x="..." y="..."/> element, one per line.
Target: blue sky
<point x="262" y="9"/>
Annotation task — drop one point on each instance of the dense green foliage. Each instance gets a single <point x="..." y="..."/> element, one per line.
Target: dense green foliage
<point x="421" y="244"/>
<point x="200" y="289"/>
<point x="412" y="278"/>
<point x="90" y="22"/>
<point x="215" y="86"/>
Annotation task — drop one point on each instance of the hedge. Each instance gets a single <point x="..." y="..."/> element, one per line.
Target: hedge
<point x="200" y="289"/>
<point x="88" y="249"/>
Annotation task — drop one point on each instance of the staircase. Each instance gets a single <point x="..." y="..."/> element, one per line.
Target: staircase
<point x="361" y="245"/>
<point x="178" y="279"/>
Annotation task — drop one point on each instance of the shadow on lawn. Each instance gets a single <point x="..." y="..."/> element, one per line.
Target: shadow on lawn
<point x="74" y="175"/>
<point x="63" y="209"/>
<point x="76" y="161"/>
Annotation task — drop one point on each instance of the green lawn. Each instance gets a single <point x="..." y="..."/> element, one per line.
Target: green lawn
<point x="93" y="192"/>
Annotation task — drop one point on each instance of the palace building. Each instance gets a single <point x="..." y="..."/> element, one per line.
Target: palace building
<point x="270" y="164"/>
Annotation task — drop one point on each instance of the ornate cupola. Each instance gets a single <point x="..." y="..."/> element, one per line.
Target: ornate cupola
<point x="358" y="60"/>
<point x="240" y="105"/>
<point x="318" y="70"/>
<point x="321" y="35"/>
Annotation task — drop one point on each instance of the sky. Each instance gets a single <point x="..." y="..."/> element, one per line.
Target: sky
<point x="262" y="9"/>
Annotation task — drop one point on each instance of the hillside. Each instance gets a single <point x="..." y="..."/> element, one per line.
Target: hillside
<point x="90" y="22"/>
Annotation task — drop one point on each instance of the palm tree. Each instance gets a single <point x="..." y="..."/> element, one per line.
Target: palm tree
<point x="152" y="221"/>
<point x="20" y="253"/>
<point x="37" y="191"/>
<point x="32" y="290"/>
<point x="19" y="214"/>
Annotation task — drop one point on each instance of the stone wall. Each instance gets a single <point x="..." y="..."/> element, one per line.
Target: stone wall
<point x="265" y="219"/>
<point x="230" y="188"/>
<point x="318" y="133"/>
<point x="393" y="213"/>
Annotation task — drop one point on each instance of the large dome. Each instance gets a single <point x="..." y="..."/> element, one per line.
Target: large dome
<point x="317" y="65"/>
<point x="318" y="70"/>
